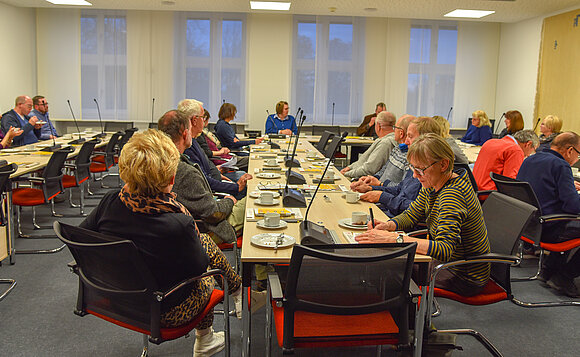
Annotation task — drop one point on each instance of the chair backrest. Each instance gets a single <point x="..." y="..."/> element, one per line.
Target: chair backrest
<point x="349" y="280"/>
<point x="118" y="126"/>
<point x="321" y="145"/>
<point x="505" y="218"/>
<point x="83" y="160"/>
<point x="458" y="168"/>
<point x="110" y="149"/>
<point x="331" y="149"/>
<point x="128" y="134"/>
<point x="5" y="172"/>
<point x="153" y="126"/>
<point x="115" y="282"/>
<point x="52" y="173"/>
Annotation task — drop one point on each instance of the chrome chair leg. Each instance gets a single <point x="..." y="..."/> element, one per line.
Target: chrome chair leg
<point x="437" y="311"/>
<point x="145" y="351"/>
<point x="479" y="336"/>
<point x="12" y="283"/>
<point x="70" y="200"/>
<point x="54" y="214"/>
<point x="82" y="198"/>
<point x="533" y="277"/>
<point x="36" y="226"/>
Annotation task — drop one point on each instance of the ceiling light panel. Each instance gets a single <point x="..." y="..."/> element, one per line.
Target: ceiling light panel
<point x="70" y="2"/>
<point x="270" y="5"/>
<point x="473" y="14"/>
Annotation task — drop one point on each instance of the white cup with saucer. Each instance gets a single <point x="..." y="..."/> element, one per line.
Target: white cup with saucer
<point x="329" y="174"/>
<point x="352" y="197"/>
<point x="575" y="171"/>
<point x="272" y="219"/>
<point x="266" y="197"/>
<point x="359" y="218"/>
<point x="311" y="154"/>
<point x="271" y="162"/>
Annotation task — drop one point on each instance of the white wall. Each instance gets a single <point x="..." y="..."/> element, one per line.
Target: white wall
<point x="477" y="61"/>
<point x="18" y="59"/>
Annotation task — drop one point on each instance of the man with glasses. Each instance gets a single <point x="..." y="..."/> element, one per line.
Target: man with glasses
<point x="550" y="175"/>
<point x="503" y="156"/>
<point x="19" y="118"/>
<point x="371" y="161"/>
<point x="48" y="131"/>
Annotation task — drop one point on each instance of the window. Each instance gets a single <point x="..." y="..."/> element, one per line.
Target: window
<point x="211" y="61"/>
<point x="431" y="81"/>
<point x="327" y="69"/>
<point x="104" y="64"/>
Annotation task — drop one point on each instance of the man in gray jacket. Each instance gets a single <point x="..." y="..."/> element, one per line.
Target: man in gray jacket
<point x="222" y="217"/>
<point x="378" y="153"/>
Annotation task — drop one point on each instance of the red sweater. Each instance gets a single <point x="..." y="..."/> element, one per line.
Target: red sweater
<point x="502" y="156"/>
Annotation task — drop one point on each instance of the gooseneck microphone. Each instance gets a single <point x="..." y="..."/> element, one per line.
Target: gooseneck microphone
<point x="332" y="118"/>
<point x="102" y="134"/>
<point x="312" y="233"/>
<point x="537" y="122"/>
<point x="80" y="140"/>
<point x="292" y="197"/>
<point x="498" y="124"/>
<point x="55" y="146"/>
<point x="448" y="114"/>
<point x="153" y="111"/>
<point x="290" y="160"/>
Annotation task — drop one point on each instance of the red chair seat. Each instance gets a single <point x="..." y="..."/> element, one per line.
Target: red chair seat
<point x="101" y="159"/>
<point x="224" y="246"/>
<point x="170" y="333"/>
<point x="321" y="330"/>
<point x="556" y="247"/>
<point x="26" y="196"/>
<point x="490" y="294"/>
<point x="98" y="167"/>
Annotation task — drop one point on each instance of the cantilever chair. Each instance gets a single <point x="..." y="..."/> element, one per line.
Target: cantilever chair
<point x="101" y="163"/>
<point x="523" y="191"/>
<point x="331" y="148"/>
<point x="50" y="183"/>
<point x="505" y="219"/>
<point x="344" y="295"/>
<point x="321" y="145"/>
<point x="117" y="286"/>
<point x="81" y="173"/>
<point x="5" y="172"/>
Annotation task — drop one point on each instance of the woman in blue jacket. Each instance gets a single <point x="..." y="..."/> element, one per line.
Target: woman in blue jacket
<point x="480" y="130"/>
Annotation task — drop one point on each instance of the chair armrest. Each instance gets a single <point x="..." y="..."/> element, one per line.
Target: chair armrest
<point x="418" y="233"/>
<point x="275" y="287"/>
<point x="484" y="192"/>
<point x="484" y="258"/>
<point x="38" y="180"/>
<point x="559" y="217"/>
<point x="414" y="289"/>
<point x="162" y="295"/>
<point x="72" y="266"/>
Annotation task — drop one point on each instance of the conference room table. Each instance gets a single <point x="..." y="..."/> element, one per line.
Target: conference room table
<point x="328" y="208"/>
<point x="470" y="150"/>
<point x="29" y="159"/>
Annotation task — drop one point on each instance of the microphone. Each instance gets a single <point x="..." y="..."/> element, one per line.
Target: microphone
<point x="312" y="233"/>
<point x="153" y="110"/>
<point x="102" y="134"/>
<point x="291" y="161"/>
<point x="498" y="122"/>
<point x="448" y="114"/>
<point x="80" y="140"/>
<point x="292" y="197"/>
<point x="538" y="122"/>
<point x="332" y="122"/>
<point x="272" y="144"/>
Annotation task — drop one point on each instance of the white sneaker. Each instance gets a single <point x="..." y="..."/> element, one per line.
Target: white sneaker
<point x="209" y="344"/>
<point x="258" y="300"/>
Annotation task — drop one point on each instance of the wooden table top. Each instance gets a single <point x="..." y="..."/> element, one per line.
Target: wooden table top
<point x="326" y="210"/>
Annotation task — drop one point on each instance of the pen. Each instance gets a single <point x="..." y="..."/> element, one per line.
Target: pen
<point x="291" y="220"/>
<point x="372" y="217"/>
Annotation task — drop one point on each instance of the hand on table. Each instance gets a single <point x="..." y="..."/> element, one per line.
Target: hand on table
<point x="371" y="196"/>
<point x="370" y="180"/>
<point x="259" y="140"/>
<point x="377" y="236"/>
<point x="346" y="169"/>
<point x="286" y="132"/>
<point x="243" y="181"/>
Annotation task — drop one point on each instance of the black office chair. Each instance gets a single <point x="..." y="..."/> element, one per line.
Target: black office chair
<point x="333" y="146"/>
<point x="81" y="173"/>
<point x="102" y="162"/>
<point x="324" y="138"/>
<point x="319" y="129"/>
<point x="153" y="126"/>
<point x="5" y="172"/>
<point x="481" y="195"/>
<point x="117" y="286"/>
<point x="344" y="295"/>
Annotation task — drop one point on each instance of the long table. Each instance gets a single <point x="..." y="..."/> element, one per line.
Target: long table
<point x="327" y="208"/>
<point x="29" y="159"/>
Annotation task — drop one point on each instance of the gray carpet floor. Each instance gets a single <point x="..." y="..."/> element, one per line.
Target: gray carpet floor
<point x="36" y="319"/>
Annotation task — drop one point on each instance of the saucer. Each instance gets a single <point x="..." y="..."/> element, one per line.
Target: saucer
<point x="269" y="240"/>
<point x="258" y="201"/>
<point x="268" y="175"/>
<point x="256" y="194"/>
<point x="262" y="224"/>
<point x="347" y="223"/>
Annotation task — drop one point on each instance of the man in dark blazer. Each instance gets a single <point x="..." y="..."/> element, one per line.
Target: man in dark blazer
<point x="18" y="118"/>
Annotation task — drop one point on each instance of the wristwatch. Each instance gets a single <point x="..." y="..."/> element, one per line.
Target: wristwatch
<point x="400" y="238"/>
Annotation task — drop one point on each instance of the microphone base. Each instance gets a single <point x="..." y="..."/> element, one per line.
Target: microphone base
<point x="52" y="148"/>
<point x="294" y="178"/>
<point x="314" y="234"/>
<point x="77" y="141"/>
<point x="100" y="135"/>
<point x="273" y="145"/>
<point x="293" y="198"/>
<point x="292" y="162"/>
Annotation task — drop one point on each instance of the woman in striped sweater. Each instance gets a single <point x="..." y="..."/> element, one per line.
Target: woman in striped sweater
<point x="447" y="203"/>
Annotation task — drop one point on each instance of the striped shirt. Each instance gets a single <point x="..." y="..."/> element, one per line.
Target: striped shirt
<point x="393" y="171"/>
<point x="456" y="226"/>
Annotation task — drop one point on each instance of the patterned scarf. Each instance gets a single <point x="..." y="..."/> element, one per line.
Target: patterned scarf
<point x="160" y="203"/>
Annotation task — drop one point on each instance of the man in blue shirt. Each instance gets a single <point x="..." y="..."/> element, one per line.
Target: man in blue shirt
<point x="281" y="122"/>
<point x="18" y="118"/>
<point x="550" y="175"/>
<point x="48" y="131"/>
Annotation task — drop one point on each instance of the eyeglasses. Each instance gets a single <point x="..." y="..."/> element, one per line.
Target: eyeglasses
<point x="578" y="152"/>
<point x="397" y="127"/>
<point x="45" y="103"/>
<point x="421" y="172"/>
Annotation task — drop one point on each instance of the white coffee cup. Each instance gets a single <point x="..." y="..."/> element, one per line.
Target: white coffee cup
<point x="359" y="218"/>
<point x="267" y="197"/>
<point x="67" y="136"/>
<point x="271" y="162"/>
<point x="311" y="154"/>
<point x="352" y="197"/>
<point x="329" y="174"/>
<point x="88" y="130"/>
<point x="271" y="219"/>
<point x="574" y="171"/>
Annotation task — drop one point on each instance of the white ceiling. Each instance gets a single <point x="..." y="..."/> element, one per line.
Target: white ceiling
<point x="506" y="10"/>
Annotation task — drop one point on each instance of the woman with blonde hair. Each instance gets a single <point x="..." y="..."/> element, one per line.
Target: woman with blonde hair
<point x="480" y="130"/>
<point x="550" y="127"/>
<point x="146" y="212"/>
<point x="460" y="157"/>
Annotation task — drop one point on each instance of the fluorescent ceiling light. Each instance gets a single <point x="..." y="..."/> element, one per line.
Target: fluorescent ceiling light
<point x="475" y="14"/>
<point x="70" y="2"/>
<point x="270" y="5"/>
